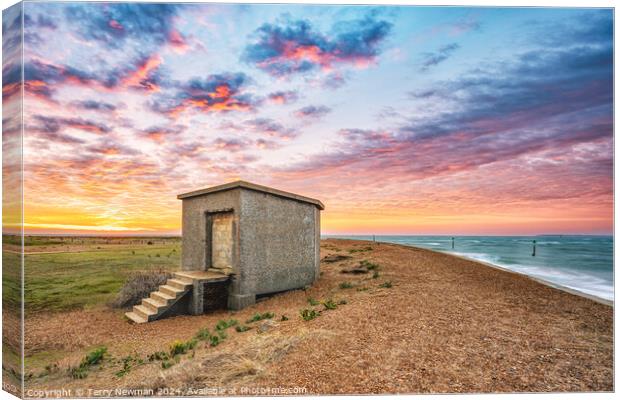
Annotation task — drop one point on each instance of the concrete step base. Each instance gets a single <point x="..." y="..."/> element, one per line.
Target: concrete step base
<point x="135" y="318"/>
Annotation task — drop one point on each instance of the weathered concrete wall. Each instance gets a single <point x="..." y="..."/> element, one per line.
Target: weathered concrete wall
<point x="222" y="240"/>
<point x="317" y="243"/>
<point x="278" y="244"/>
<point x="194" y="242"/>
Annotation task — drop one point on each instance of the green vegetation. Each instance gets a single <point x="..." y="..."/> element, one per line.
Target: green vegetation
<point x="387" y="284"/>
<point x="258" y="317"/>
<point x="345" y="285"/>
<point x="284" y="318"/>
<point x="93" y="358"/>
<point x="128" y="363"/>
<point x="11" y="282"/>
<point x="203" y="334"/>
<point x="369" y="265"/>
<point x="363" y="249"/>
<point x="158" y="356"/>
<point x="64" y="281"/>
<point x="313" y="302"/>
<point x="362" y="289"/>
<point x="215" y="340"/>
<point x="375" y="275"/>
<point x="309" y="314"/>
<point x="179" y="347"/>
<point x="330" y="304"/>
<point x="242" y="328"/>
<point x="222" y="325"/>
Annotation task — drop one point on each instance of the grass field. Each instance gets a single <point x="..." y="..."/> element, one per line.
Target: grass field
<point x="65" y="273"/>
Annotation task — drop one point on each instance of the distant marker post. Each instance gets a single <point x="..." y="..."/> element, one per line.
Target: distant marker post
<point x="453" y="243"/>
<point x="533" y="248"/>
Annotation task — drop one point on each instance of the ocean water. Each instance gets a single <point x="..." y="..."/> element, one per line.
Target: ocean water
<point x="582" y="263"/>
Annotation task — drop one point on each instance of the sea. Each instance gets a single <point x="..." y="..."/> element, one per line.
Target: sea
<point x="581" y="263"/>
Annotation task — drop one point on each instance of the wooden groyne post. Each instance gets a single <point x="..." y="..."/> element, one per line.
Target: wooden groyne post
<point x="452" y="243"/>
<point x="533" y="248"/>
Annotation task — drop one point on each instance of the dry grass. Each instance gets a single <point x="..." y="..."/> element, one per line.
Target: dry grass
<point x="138" y="286"/>
<point x="231" y="366"/>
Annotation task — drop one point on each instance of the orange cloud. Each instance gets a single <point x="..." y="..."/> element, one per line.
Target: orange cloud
<point x="140" y="77"/>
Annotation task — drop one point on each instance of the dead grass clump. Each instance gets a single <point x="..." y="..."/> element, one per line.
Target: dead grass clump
<point x="345" y="285"/>
<point x="334" y="258"/>
<point x="138" y="286"/>
<point x="237" y="366"/>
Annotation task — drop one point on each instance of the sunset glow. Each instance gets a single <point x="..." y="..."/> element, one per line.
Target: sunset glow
<point x="401" y="120"/>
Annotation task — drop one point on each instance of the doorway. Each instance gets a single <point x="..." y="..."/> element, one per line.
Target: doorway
<point x="220" y="227"/>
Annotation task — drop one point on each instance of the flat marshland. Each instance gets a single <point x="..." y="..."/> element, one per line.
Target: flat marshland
<point x="409" y="321"/>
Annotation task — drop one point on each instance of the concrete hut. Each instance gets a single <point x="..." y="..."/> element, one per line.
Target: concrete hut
<point x="240" y="241"/>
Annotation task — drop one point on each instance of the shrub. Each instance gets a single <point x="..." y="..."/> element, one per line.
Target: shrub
<point x="138" y="286"/>
<point x="254" y="318"/>
<point x="362" y="289"/>
<point x="203" y="334"/>
<point x="222" y="325"/>
<point x="215" y="340"/>
<point x="387" y="284"/>
<point x="284" y="318"/>
<point x="313" y="302"/>
<point x="368" y="265"/>
<point x="179" y="347"/>
<point x="128" y="363"/>
<point x="367" y="248"/>
<point x="259" y="317"/>
<point x="330" y="304"/>
<point x="167" y="364"/>
<point x="375" y="275"/>
<point x="93" y="358"/>
<point x="345" y="285"/>
<point x="158" y="356"/>
<point x="309" y="314"/>
<point x="242" y="328"/>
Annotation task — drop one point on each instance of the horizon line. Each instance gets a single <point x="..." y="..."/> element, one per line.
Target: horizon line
<point x="334" y="235"/>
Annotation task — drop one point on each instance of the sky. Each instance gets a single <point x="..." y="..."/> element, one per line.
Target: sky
<point x="401" y="120"/>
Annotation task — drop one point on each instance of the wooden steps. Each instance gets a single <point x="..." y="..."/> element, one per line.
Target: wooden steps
<point x="160" y="300"/>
